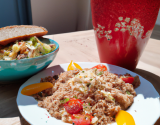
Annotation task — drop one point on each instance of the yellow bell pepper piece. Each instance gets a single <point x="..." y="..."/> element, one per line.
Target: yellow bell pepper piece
<point x="71" y="67"/>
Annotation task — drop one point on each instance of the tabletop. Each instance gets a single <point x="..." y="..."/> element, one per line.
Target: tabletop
<point x="80" y="47"/>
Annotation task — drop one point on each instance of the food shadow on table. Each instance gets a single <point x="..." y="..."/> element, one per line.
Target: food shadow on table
<point x="152" y="78"/>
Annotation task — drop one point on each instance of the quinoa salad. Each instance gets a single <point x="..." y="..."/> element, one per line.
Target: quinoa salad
<point x="89" y="96"/>
<point x="25" y="49"/>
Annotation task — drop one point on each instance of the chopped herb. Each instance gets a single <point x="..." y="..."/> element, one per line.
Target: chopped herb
<point x="64" y="100"/>
<point x="128" y="92"/>
<point x="89" y="104"/>
<point x="113" y="99"/>
<point x="91" y="79"/>
<point x="82" y="71"/>
<point x="75" y="96"/>
<point x="95" y="69"/>
<point x="100" y="73"/>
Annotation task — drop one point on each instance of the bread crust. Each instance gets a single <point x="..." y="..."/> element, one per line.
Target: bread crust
<point x="23" y="37"/>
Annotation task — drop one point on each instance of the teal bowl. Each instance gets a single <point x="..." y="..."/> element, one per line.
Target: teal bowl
<point x="19" y="69"/>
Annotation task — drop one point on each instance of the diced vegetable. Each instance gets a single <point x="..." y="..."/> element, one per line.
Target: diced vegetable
<point x="79" y="119"/>
<point x="45" y="47"/>
<point x="73" y="106"/>
<point x="128" y="79"/>
<point x="77" y="66"/>
<point x="35" y="88"/>
<point x="16" y="48"/>
<point x="34" y="41"/>
<point x="101" y="67"/>
<point x="100" y="73"/>
<point x="128" y="92"/>
<point x="64" y="100"/>
<point x="71" y="67"/>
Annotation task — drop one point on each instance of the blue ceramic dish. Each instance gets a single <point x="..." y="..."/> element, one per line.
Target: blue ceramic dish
<point x="19" y="69"/>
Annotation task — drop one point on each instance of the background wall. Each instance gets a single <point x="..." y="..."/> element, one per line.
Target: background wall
<point x="56" y="15"/>
<point x="60" y="16"/>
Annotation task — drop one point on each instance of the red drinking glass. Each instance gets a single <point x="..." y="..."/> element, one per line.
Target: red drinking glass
<point x="123" y="28"/>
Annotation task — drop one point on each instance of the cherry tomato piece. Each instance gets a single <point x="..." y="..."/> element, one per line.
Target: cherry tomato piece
<point x="79" y="119"/>
<point x="73" y="106"/>
<point x="128" y="79"/>
<point x="101" y="67"/>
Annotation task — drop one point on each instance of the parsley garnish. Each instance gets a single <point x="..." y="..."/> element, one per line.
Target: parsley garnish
<point x="64" y="100"/>
<point x="100" y="73"/>
<point x="75" y="96"/>
<point x="128" y="92"/>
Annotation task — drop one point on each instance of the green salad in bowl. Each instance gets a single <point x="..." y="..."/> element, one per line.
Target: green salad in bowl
<point x="21" y="49"/>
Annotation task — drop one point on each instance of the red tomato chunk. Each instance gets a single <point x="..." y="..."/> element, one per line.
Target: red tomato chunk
<point x="73" y="106"/>
<point x="128" y="80"/>
<point x="101" y="67"/>
<point x="81" y="119"/>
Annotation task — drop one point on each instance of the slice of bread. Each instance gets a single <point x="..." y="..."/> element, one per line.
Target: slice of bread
<point x="20" y="32"/>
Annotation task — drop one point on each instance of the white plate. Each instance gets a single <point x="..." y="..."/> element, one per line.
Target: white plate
<point x="145" y="109"/>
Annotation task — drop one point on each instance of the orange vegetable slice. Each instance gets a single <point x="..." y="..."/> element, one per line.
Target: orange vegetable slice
<point x="35" y="88"/>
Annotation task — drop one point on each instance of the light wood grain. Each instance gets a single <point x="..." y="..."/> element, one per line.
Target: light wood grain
<point x="10" y="121"/>
<point x="80" y="47"/>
